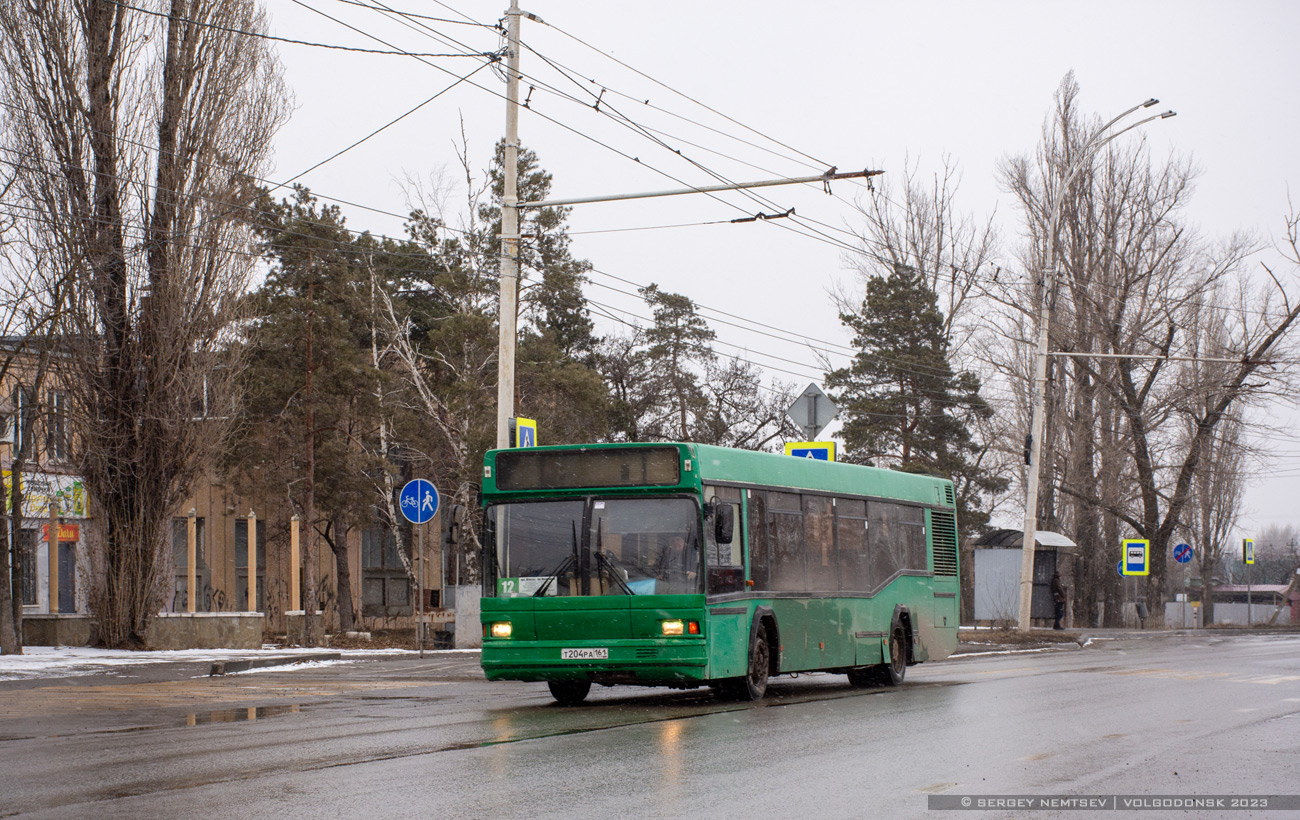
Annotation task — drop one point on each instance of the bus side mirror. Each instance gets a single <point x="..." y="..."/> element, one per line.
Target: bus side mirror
<point x="724" y="524"/>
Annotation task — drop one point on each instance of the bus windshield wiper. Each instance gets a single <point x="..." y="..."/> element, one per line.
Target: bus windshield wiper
<point x="603" y="560"/>
<point x="569" y="559"/>
<point x="555" y="573"/>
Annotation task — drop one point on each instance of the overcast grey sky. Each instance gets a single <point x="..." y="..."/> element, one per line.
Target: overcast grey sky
<point x="858" y="85"/>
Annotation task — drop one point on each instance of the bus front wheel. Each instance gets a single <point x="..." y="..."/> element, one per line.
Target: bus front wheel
<point x="569" y="692"/>
<point x="754" y="684"/>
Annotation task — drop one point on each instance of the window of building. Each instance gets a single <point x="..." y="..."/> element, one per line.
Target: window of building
<point x="27" y="565"/>
<point x="385" y="584"/>
<point x="24" y="405"/>
<point x="56" y="425"/>
<point x="180" y="560"/>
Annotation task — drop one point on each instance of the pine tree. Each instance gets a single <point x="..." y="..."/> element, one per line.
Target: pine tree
<point x="678" y="340"/>
<point x="903" y="404"/>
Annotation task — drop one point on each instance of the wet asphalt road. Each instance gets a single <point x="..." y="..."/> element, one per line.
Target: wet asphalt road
<point x="431" y="738"/>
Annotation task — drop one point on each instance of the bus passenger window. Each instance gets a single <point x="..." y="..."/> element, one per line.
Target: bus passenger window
<point x="724" y="560"/>
<point x="851" y="537"/>
<point x="819" y="537"/>
<point x="756" y="538"/>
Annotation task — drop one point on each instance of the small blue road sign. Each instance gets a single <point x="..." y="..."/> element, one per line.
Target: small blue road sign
<point x="419" y="500"/>
<point x="1136" y="552"/>
<point x="818" y="450"/>
<point x="1183" y="553"/>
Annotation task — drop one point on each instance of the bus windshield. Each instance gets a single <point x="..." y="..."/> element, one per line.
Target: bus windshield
<point x="601" y="546"/>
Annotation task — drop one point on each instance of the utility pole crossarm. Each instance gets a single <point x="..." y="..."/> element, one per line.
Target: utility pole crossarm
<point x="829" y="176"/>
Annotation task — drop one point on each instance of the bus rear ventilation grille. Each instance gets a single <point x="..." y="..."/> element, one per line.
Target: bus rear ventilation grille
<point x="945" y="543"/>
<point x="648" y="652"/>
<point x="947" y="494"/>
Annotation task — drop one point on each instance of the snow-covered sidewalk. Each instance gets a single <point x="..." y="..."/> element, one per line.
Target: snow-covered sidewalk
<point x="71" y="661"/>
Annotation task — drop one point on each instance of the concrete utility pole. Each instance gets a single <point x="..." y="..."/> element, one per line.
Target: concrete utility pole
<point x="1039" y="384"/>
<point x="510" y="207"/>
<point x="509" y="307"/>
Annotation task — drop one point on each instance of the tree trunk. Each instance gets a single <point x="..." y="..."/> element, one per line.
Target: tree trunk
<point x="15" y="542"/>
<point x="311" y="627"/>
<point x="343" y="575"/>
<point x="11" y="642"/>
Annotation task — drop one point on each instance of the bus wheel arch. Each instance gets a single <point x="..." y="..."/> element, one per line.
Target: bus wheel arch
<point x="903" y="618"/>
<point x="900" y="646"/>
<point x="764" y="616"/>
<point x="761" y="659"/>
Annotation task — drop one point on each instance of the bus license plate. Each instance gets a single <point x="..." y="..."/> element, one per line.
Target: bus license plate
<point x="601" y="654"/>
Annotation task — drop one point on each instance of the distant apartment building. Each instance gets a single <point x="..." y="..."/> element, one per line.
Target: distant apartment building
<point x="57" y="580"/>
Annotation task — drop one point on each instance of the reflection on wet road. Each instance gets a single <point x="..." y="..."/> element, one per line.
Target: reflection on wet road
<point x="1154" y="716"/>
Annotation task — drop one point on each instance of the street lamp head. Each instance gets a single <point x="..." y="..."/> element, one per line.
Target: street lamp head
<point x="1150" y="102"/>
<point x="1168" y="114"/>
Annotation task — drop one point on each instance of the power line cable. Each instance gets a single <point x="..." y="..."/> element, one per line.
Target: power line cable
<point x="274" y="38"/>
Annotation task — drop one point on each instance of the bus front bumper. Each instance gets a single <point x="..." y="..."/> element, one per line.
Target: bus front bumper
<point x="671" y="662"/>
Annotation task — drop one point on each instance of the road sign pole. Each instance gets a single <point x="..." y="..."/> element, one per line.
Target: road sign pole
<point x="419" y="627"/>
<point x="1248" y="623"/>
<point x="419" y="503"/>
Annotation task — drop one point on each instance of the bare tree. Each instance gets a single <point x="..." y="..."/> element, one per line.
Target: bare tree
<point x="1132" y="279"/>
<point x="953" y="253"/>
<point x="138" y="128"/>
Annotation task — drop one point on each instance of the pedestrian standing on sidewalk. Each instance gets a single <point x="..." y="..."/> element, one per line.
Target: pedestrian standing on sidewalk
<point x="1058" y="600"/>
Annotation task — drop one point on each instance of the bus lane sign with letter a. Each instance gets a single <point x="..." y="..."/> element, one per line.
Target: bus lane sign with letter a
<point x="1136" y="555"/>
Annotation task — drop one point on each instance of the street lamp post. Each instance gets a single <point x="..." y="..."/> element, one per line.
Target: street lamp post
<point x="1038" y="400"/>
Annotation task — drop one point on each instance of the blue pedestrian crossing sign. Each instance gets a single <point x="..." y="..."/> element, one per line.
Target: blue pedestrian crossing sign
<point x="419" y="501"/>
<point x="525" y="432"/>
<point x="1248" y="550"/>
<point x="1183" y="553"/>
<point x="1136" y="557"/>
<point x="817" y="450"/>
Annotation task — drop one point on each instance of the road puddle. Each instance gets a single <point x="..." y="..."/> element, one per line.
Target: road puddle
<point x="241" y="715"/>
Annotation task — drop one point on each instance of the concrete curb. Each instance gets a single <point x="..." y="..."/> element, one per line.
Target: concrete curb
<point x="228" y="667"/>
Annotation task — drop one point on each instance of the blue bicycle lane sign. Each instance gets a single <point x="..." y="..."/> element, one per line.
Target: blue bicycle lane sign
<point x="419" y="500"/>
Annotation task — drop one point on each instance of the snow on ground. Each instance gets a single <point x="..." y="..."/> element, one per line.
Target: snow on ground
<point x="293" y="667"/>
<point x="71" y="661"/>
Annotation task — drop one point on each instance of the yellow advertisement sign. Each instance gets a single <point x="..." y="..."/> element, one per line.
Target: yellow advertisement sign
<point x="40" y="489"/>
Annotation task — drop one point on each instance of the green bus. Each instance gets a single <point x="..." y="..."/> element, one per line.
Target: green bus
<point x="688" y="565"/>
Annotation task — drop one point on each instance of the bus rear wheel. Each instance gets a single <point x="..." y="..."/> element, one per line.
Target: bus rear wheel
<point x="865" y="676"/>
<point x="892" y="673"/>
<point x="569" y="692"/>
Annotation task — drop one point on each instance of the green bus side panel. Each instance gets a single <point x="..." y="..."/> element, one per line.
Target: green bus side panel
<point x="792" y="624"/>
<point x="869" y="651"/>
<point x="728" y="636"/>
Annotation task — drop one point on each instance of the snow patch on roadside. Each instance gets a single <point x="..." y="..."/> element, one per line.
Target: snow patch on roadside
<point x="72" y="661"/>
<point x="292" y="667"/>
<point x="1013" y="651"/>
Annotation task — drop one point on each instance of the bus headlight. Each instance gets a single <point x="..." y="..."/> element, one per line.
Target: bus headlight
<point x="673" y="627"/>
<point x="501" y="629"/>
